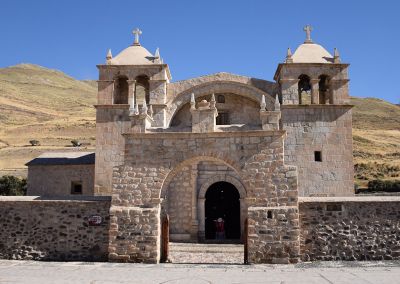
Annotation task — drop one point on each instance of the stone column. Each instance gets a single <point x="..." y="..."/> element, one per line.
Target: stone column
<point x="243" y="216"/>
<point x="314" y="91"/>
<point x="202" y="220"/>
<point x="195" y="221"/>
<point x="132" y="87"/>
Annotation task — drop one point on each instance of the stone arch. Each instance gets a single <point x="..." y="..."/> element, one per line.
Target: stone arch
<point x="324" y="89"/>
<point x="304" y="89"/>
<point x="237" y="88"/>
<point x="142" y="88"/>
<point x="121" y="90"/>
<point x="195" y="159"/>
<point x="227" y="178"/>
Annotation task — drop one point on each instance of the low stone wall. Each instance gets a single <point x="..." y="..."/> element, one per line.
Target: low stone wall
<point x="134" y="234"/>
<point x="273" y="235"/>
<point x="33" y="228"/>
<point x="353" y="228"/>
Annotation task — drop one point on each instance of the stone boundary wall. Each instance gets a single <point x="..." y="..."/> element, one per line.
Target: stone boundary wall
<point x="33" y="228"/>
<point x="350" y="228"/>
<point x="273" y="235"/>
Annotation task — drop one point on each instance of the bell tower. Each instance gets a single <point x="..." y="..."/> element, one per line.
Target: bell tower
<point x="314" y="95"/>
<point x="133" y="83"/>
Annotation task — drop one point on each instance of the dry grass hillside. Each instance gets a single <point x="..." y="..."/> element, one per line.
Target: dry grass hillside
<point x="49" y="106"/>
<point x="42" y="104"/>
<point x="376" y="138"/>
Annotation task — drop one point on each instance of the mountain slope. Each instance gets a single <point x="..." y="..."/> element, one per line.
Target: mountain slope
<point x="42" y="104"/>
<point x="32" y="94"/>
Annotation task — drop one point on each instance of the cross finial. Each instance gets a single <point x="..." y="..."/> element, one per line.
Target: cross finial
<point x="136" y="32"/>
<point x="308" y="30"/>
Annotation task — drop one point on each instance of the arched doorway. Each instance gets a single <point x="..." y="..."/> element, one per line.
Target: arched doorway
<point x="222" y="200"/>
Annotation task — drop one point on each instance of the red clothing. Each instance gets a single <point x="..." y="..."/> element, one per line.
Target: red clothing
<point x="220" y="227"/>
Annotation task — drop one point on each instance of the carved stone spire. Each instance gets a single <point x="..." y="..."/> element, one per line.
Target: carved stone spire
<point x="277" y="105"/>
<point x="262" y="103"/>
<point x="144" y="107"/>
<point x="212" y="101"/>
<point x="157" y="57"/>
<point x="289" y="58"/>
<point x="109" y="56"/>
<point x="308" y="30"/>
<point x="136" y="108"/>
<point x="336" y="56"/>
<point x="192" y="102"/>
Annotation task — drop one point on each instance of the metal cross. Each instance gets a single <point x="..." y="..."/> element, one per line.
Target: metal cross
<point x="136" y="32"/>
<point x="308" y="30"/>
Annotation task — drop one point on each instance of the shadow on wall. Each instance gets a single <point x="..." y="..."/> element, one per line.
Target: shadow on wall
<point x="314" y="113"/>
<point x="267" y="86"/>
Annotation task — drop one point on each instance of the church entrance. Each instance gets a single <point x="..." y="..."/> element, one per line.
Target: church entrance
<point x="222" y="213"/>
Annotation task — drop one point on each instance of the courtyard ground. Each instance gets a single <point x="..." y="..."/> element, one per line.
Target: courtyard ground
<point x="12" y="271"/>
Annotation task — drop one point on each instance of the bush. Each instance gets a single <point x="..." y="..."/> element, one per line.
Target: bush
<point x="384" y="185"/>
<point x="11" y="185"/>
<point x="34" y="142"/>
<point x="76" y="143"/>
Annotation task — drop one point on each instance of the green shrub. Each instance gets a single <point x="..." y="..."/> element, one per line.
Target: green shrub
<point x="11" y="185"/>
<point x="384" y="185"/>
<point x="76" y="143"/>
<point x="34" y="142"/>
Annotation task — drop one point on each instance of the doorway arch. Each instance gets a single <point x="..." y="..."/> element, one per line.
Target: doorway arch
<point x="222" y="200"/>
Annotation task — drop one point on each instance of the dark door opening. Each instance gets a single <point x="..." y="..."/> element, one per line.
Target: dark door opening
<point x="222" y="201"/>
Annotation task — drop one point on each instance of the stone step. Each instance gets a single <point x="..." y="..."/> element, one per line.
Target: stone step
<point x="206" y="248"/>
<point x="206" y="253"/>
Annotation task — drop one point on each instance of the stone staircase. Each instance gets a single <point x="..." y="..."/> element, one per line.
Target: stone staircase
<point x="206" y="253"/>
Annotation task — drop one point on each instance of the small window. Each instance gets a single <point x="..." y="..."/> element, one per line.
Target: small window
<point x="221" y="99"/>
<point x="76" y="187"/>
<point x="334" y="207"/>
<point x="269" y="214"/>
<point x="318" y="156"/>
<point x="222" y="118"/>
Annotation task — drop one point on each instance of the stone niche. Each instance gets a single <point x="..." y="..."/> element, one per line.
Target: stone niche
<point x="203" y="117"/>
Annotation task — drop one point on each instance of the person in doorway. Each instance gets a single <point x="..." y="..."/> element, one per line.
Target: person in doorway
<point x="219" y="229"/>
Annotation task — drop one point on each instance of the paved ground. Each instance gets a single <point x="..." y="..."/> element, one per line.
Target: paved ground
<point x="105" y="273"/>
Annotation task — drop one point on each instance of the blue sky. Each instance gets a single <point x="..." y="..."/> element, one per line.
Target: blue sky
<point x="203" y="37"/>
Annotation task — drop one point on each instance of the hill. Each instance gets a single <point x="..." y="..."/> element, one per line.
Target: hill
<point x="42" y="104"/>
<point x="54" y="108"/>
<point x="376" y="140"/>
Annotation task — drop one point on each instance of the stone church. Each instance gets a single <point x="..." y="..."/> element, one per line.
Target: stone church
<point x="216" y="146"/>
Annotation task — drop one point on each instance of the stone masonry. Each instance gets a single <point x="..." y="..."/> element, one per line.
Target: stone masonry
<point x="40" y="229"/>
<point x="366" y="228"/>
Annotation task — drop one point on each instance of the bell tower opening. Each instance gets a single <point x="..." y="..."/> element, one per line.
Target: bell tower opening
<point x="222" y="212"/>
<point x="121" y="90"/>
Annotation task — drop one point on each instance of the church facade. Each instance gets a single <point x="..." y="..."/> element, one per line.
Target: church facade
<point x="272" y="159"/>
<point x="221" y="146"/>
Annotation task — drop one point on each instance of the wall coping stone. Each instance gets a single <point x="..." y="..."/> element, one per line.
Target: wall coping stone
<point x="349" y="199"/>
<point x="83" y="198"/>
<point x="315" y="106"/>
<point x="118" y="106"/>
<point x="256" y="208"/>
